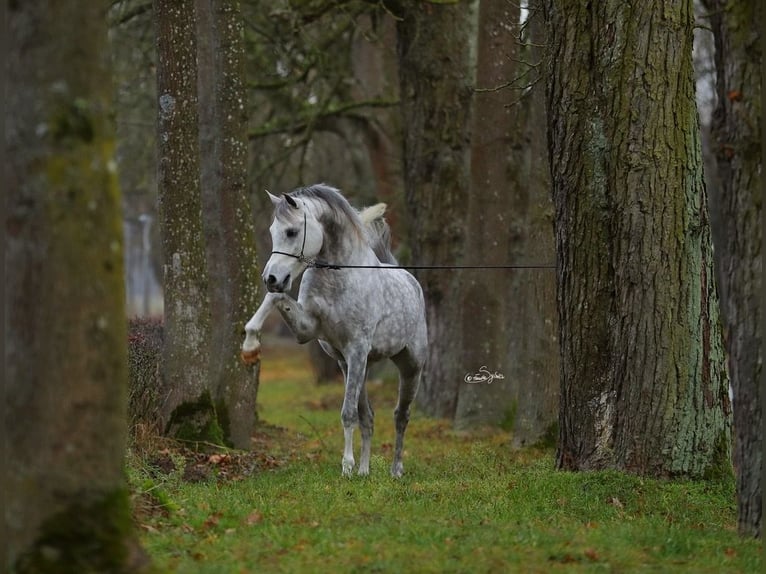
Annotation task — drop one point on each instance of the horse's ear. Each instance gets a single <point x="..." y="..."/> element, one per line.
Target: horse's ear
<point x="289" y="199"/>
<point x="274" y="199"/>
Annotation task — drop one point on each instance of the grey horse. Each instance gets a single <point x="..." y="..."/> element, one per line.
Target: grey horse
<point x="360" y="312"/>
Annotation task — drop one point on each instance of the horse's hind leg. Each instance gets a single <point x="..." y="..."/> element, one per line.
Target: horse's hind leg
<point x="410" y="370"/>
<point x="366" y="420"/>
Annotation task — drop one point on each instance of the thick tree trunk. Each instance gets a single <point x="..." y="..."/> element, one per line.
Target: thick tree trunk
<point x="643" y="381"/>
<point x="188" y="411"/>
<point x="228" y="222"/>
<point x="433" y="51"/>
<point x="737" y="144"/>
<point x="508" y="316"/>
<point x="65" y="415"/>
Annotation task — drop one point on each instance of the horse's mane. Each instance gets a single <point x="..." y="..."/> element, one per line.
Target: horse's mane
<point x="338" y="207"/>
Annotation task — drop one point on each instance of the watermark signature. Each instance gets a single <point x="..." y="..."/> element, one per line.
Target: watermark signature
<point x="483" y="376"/>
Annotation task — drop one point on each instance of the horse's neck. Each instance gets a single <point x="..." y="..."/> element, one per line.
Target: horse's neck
<point x="347" y="251"/>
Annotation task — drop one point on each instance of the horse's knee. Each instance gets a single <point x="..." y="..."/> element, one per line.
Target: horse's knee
<point x="401" y="416"/>
<point x="366" y="423"/>
<point x="349" y="417"/>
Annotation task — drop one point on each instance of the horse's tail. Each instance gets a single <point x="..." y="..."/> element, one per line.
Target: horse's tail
<point x="379" y="232"/>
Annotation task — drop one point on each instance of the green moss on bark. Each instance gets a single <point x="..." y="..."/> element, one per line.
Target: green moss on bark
<point x="721" y="469"/>
<point x="224" y="421"/>
<point x="87" y="537"/>
<point x="196" y="421"/>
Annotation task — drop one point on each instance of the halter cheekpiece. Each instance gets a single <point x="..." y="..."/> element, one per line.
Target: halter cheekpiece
<point x="305" y="260"/>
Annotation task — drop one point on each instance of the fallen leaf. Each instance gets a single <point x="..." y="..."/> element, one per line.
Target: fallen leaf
<point x="591" y="554"/>
<point x="212" y="520"/>
<point x="219" y="458"/>
<point x="254" y="517"/>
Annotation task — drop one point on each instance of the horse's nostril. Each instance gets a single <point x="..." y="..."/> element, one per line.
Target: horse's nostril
<point x="271" y="280"/>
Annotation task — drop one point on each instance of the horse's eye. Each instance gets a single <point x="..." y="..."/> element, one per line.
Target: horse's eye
<point x="291" y="233"/>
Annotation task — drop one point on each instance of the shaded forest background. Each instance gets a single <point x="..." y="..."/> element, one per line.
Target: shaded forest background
<point x="323" y="104"/>
<point x="564" y="135"/>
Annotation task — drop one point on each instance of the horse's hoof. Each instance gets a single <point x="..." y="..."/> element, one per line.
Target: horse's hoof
<point x="250" y="357"/>
<point x="397" y="470"/>
<point x="348" y="467"/>
<point x="363" y="471"/>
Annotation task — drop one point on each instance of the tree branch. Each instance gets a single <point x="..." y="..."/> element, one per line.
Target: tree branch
<point x="307" y="121"/>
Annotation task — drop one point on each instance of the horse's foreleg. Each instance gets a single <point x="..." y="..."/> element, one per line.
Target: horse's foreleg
<point x="251" y="347"/>
<point x="302" y="324"/>
<point x="366" y="420"/>
<point x="349" y="415"/>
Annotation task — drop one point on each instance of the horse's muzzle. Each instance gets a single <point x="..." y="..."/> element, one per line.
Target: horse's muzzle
<point x="275" y="286"/>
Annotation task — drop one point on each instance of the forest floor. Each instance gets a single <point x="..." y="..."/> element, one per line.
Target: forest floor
<point x="467" y="502"/>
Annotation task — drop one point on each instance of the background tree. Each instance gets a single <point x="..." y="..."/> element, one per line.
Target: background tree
<point x="131" y="35"/>
<point x="188" y="410"/>
<point x="64" y="422"/>
<point x="509" y="316"/>
<point x="737" y="142"/>
<point x="533" y="354"/>
<point x="434" y="85"/>
<point x="643" y="378"/>
<point x="228" y="223"/>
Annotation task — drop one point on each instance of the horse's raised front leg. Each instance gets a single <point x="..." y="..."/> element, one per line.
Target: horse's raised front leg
<point x="356" y="368"/>
<point x="251" y="347"/>
<point x="303" y="324"/>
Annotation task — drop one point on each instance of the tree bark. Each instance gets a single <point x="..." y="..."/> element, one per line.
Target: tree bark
<point x="643" y="381"/>
<point x="509" y="221"/>
<point x="737" y="144"/>
<point x="188" y="411"/>
<point x="228" y="222"/>
<point x="432" y="48"/>
<point x="64" y="423"/>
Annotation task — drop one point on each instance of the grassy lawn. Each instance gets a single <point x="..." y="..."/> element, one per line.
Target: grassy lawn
<point x="467" y="503"/>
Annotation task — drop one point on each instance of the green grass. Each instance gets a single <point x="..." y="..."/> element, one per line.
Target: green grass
<point x="467" y="503"/>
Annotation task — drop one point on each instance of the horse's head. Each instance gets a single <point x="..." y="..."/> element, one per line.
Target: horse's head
<point x="296" y="237"/>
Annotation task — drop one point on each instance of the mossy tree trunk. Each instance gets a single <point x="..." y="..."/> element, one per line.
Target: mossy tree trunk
<point x="737" y="143"/>
<point x="228" y="222"/>
<point x="65" y="414"/>
<point x="643" y="379"/>
<point x="509" y="316"/>
<point x="434" y="85"/>
<point x="188" y="409"/>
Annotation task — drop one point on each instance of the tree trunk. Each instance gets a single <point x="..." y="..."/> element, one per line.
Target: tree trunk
<point x="432" y="46"/>
<point x="228" y="222"/>
<point x="643" y="380"/>
<point x="509" y="219"/>
<point x="533" y="352"/>
<point x="64" y="423"/>
<point x="737" y="143"/>
<point x="188" y="411"/>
